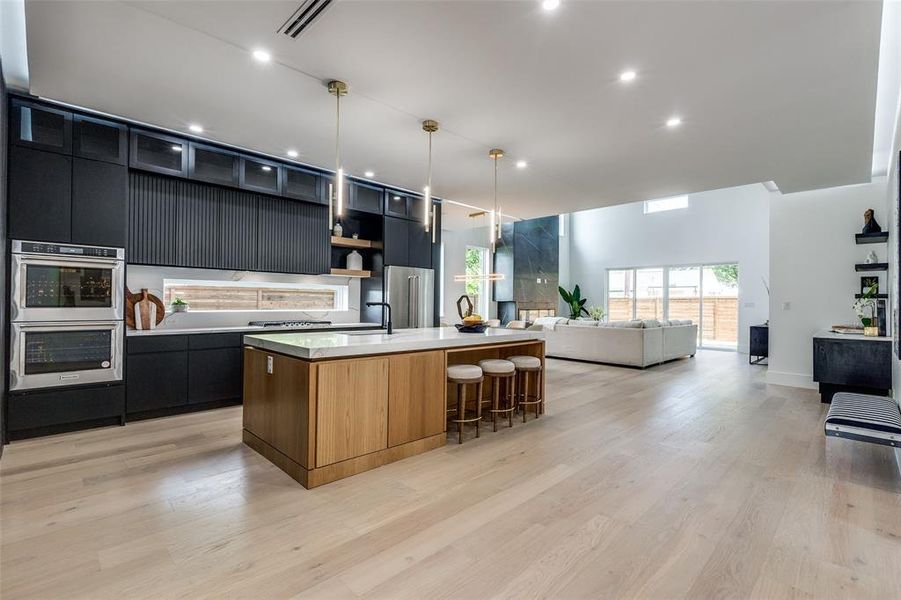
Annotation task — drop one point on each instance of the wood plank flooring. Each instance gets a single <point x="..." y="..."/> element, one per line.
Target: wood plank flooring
<point x="693" y="479"/>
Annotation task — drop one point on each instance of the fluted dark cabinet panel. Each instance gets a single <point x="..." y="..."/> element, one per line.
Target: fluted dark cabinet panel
<point x="152" y="219"/>
<point x="189" y="224"/>
<point x="238" y="214"/>
<point x="293" y="237"/>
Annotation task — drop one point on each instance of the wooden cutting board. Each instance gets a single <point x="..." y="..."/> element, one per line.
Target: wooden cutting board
<point x="144" y="299"/>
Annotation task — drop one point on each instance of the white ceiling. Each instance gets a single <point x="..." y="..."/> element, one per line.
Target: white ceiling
<point x="781" y="91"/>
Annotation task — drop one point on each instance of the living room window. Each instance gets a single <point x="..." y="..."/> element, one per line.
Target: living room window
<point x="706" y="294"/>
<point x="477" y="265"/>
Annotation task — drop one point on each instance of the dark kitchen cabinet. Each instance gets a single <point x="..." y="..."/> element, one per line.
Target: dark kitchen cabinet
<point x="397" y="204"/>
<point x="215" y="375"/>
<point x="152" y="218"/>
<point x="365" y="198"/>
<point x="293" y="237"/>
<point x="301" y="184"/>
<point x="99" y="139"/>
<point x="157" y="152"/>
<point x="40" y="195"/>
<point x="213" y="165"/>
<point x="156" y="380"/>
<point x="397" y="242"/>
<point x="99" y="203"/>
<point x="41" y="127"/>
<point x="326" y="191"/>
<point x="407" y="244"/>
<point x="38" y="412"/>
<point x="259" y="175"/>
<point x="237" y="231"/>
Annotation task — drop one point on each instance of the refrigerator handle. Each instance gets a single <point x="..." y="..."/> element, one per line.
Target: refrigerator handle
<point x="409" y="300"/>
<point x="416" y="300"/>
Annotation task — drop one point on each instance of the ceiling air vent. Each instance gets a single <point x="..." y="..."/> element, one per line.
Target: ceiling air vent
<point x="304" y="16"/>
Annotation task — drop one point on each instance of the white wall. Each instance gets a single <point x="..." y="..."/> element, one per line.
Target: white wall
<point x="140" y="276"/>
<point x="729" y="225"/>
<point x="813" y="281"/>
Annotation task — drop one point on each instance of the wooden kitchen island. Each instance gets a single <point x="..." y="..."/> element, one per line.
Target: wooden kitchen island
<point x="324" y="406"/>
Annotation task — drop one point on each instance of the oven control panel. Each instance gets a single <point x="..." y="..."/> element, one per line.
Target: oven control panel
<point x="68" y="250"/>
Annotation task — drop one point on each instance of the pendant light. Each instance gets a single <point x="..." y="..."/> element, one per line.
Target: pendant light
<point x="336" y="190"/>
<point x="496" y="215"/>
<point x="429" y="126"/>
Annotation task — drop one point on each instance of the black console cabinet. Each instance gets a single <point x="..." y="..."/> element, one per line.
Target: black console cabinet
<point x="852" y="364"/>
<point x="759" y="344"/>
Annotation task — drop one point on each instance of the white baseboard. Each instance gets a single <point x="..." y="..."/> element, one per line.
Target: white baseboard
<point x="799" y="380"/>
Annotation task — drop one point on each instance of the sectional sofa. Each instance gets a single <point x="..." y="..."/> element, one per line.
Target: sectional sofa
<point x="630" y="343"/>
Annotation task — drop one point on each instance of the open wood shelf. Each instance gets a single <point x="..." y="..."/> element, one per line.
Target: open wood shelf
<point x="346" y="242"/>
<point x="875" y="296"/>
<point x="871" y="267"/>
<point x="351" y="273"/>
<point x="871" y="238"/>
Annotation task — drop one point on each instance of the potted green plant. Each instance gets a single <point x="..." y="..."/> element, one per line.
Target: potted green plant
<point x="575" y="301"/>
<point x="596" y="312"/>
<point x="179" y="305"/>
<point x="865" y="307"/>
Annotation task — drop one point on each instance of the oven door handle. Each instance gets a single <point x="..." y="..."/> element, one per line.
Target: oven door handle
<point x="65" y="262"/>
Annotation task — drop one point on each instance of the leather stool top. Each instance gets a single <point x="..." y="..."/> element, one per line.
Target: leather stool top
<point x="526" y="362"/>
<point x="494" y="366"/>
<point x="465" y="372"/>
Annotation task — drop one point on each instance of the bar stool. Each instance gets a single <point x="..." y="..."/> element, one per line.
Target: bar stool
<point x="461" y="375"/>
<point x="524" y="366"/>
<point x="501" y="370"/>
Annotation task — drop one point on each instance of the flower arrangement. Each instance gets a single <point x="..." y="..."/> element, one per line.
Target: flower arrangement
<point x="865" y="306"/>
<point x="596" y="312"/>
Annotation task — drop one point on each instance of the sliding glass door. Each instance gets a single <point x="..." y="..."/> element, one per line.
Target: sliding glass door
<point x="708" y="295"/>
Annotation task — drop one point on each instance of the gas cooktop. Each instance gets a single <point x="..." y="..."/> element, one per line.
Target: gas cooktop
<point x="294" y="324"/>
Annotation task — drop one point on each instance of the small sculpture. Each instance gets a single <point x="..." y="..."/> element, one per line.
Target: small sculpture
<point x="468" y="312"/>
<point x="872" y="259"/>
<point x="869" y="222"/>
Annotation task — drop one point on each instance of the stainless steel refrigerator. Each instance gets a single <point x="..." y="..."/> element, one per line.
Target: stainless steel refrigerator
<point x="411" y="294"/>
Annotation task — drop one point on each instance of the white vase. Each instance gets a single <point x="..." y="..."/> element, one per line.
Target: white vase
<point x="337" y="230"/>
<point x="355" y="261"/>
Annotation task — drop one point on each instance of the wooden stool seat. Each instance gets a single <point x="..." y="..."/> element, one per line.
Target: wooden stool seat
<point x="501" y="370"/>
<point x="526" y="365"/>
<point x="463" y="375"/>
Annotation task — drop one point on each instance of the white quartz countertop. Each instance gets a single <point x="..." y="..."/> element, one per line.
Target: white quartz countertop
<point x="323" y="345"/>
<point x="239" y="329"/>
<point x="829" y="334"/>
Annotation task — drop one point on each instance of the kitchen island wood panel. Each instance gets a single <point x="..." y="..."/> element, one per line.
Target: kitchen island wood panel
<point x="377" y="399"/>
<point x="351" y="420"/>
<point x="413" y="378"/>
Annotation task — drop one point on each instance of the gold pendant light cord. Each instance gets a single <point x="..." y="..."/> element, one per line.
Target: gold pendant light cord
<point x="337" y="133"/>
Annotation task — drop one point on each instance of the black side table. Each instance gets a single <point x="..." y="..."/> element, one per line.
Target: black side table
<point x="760" y="344"/>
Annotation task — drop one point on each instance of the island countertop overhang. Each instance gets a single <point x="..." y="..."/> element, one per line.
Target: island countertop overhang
<point x="324" y="346"/>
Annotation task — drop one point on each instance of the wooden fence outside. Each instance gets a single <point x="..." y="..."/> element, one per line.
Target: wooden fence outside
<point x="720" y="321"/>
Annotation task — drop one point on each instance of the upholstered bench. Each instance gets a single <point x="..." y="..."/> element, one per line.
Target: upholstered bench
<point x="865" y="418"/>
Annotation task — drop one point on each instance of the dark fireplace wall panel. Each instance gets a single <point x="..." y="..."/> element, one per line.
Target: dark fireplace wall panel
<point x="536" y="262"/>
<point x="503" y="264"/>
<point x="180" y="223"/>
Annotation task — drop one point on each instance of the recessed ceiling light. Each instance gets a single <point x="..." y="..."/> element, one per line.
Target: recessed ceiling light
<point x="674" y="121"/>
<point x="369" y="174"/>
<point x="626" y="76"/>
<point x="262" y="55"/>
<point x="194" y="127"/>
<point x="521" y="164"/>
<point x="550" y="4"/>
<point x="292" y="153"/>
<point x="266" y="168"/>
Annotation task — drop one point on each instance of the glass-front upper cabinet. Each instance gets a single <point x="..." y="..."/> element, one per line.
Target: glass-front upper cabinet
<point x="397" y="204"/>
<point x="100" y="140"/>
<point x="41" y="127"/>
<point x="301" y="184"/>
<point x="366" y="198"/>
<point x="260" y="175"/>
<point x="159" y="153"/>
<point x="213" y="165"/>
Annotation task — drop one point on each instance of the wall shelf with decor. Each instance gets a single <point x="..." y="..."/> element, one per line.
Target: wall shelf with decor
<point x="871" y="267"/>
<point x="871" y="238"/>
<point x="351" y="273"/>
<point x="349" y="242"/>
<point x="876" y="296"/>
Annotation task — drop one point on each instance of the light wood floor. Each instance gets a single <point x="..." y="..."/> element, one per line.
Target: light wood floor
<point x="694" y="479"/>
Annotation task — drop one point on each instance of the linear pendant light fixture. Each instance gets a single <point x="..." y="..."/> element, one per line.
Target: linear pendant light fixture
<point x="429" y="126"/>
<point x="336" y="190"/>
<point x="496" y="215"/>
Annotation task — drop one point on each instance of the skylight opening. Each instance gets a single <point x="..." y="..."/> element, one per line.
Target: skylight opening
<point x="664" y="204"/>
